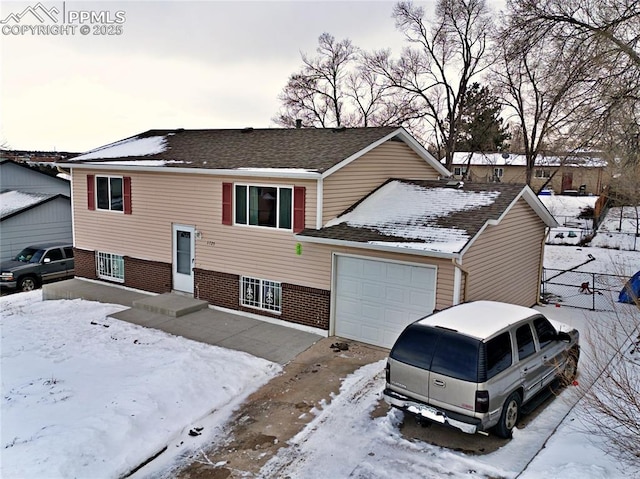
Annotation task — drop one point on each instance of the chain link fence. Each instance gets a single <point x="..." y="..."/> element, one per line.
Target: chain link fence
<point x="594" y="291"/>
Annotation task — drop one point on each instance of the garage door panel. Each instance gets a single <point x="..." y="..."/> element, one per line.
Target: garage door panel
<point x="372" y="269"/>
<point x="395" y="295"/>
<point x="423" y="276"/>
<point x="373" y="291"/>
<point x="376" y="299"/>
<point x="421" y="299"/>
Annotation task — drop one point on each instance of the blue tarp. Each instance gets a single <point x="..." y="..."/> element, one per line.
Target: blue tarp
<point x="631" y="291"/>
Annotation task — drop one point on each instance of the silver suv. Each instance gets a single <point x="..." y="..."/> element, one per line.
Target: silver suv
<point x="38" y="264"/>
<point x="474" y="365"/>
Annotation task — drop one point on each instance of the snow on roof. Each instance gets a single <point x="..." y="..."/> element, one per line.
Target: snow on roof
<point x="142" y="162"/>
<point x="12" y="201"/>
<point x="479" y="319"/>
<point x="125" y="148"/>
<point x="512" y="159"/>
<point x="411" y="211"/>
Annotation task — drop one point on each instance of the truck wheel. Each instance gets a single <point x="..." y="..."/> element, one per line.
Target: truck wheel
<point x="28" y="283"/>
<point x="509" y="416"/>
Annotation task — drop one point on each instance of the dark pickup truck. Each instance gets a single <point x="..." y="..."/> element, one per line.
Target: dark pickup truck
<point x="37" y="264"/>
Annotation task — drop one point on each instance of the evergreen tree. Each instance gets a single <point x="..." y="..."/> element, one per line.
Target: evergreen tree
<point x="481" y="127"/>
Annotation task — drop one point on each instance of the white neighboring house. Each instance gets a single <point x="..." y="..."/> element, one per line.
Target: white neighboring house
<point x="34" y="208"/>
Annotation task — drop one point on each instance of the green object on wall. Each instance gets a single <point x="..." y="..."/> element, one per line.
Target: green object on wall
<point x="298" y="249"/>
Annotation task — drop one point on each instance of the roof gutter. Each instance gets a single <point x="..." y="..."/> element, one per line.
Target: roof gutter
<point x="303" y="175"/>
<point x="375" y="247"/>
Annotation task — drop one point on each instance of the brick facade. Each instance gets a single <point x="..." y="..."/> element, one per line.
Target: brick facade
<point x="85" y="263"/>
<point x="151" y="276"/>
<point x="139" y="274"/>
<point x="300" y="304"/>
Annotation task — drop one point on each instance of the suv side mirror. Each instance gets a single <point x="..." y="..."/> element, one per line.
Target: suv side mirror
<point x="46" y="260"/>
<point x="565" y="337"/>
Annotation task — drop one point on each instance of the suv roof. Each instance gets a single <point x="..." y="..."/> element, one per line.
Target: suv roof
<point x="479" y="319"/>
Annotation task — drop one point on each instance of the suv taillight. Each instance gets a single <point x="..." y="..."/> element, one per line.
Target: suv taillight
<point x="387" y="372"/>
<point x="482" y="401"/>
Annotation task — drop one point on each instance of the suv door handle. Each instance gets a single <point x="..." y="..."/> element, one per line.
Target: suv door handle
<point x="439" y="382"/>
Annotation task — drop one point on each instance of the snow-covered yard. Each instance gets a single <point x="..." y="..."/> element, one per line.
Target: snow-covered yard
<point x="83" y="396"/>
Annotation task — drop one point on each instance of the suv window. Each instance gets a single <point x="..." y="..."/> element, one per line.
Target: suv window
<point x="415" y="346"/>
<point x="456" y="356"/>
<point x="68" y="252"/>
<point x="439" y="350"/>
<point x="498" y="354"/>
<point x="545" y="331"/>
<point x="54" y="254"/>
<point x="524" y="338"/>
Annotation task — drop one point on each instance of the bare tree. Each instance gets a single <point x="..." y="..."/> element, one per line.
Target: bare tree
<point x="612" y="403"/>
<point x="334" y="89"/>
<point x="441" y="60"/>
<point x="605" y="34"/>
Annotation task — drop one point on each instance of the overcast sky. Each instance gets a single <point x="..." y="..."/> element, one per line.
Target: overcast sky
<point x="175" y="64"/>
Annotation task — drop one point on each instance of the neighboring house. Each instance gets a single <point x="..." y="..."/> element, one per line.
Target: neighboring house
<point x="572" y="175"/>
<point x="34" y="208"/>
<point x="303" y="225"/>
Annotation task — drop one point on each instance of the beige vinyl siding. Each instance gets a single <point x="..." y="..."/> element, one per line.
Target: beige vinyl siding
<point x="593" y="178"/>
<point x="393" y="159"/>
<point x="160" y="200"/>
<point x="504" y="262"/>
<point x="316" y="259"/>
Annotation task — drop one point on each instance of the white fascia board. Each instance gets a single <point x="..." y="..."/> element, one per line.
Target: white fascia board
<point x="538" y="206"/>
<point x="532" y="200"/>
<point x="302" y="175"/>
<point x="319" y="202"/>
<point x="407" y="138"/>
<point x="375" y="247"/>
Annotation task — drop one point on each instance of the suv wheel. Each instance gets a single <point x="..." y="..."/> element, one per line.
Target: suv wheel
<point x="28" y="283"/>
<point x="509" y="416"/>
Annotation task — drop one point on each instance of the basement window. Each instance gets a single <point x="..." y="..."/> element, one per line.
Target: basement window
<point x="261" y="294"/>
<point x="110" y="266"/>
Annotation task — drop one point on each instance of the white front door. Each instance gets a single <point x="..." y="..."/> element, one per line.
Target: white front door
<point x="183" y="257"/>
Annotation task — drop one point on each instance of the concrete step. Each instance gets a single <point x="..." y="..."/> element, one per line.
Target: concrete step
<point x="170" y="304"/>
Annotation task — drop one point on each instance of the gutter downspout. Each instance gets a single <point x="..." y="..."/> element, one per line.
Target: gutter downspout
<point x="457" y="278"/>
<point x="319" y="198"/>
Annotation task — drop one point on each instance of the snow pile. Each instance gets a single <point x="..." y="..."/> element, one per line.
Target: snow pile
<point x="410" y="211"/>
<point x="86" y="396"/>
<point x="135" y="146"/>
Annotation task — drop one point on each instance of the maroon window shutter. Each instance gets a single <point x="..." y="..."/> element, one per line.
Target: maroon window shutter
<point x="298" y="208"/>
<point x="91" y="194"/>
<point x="126" y="193"/>
<point x="227" y="203"/>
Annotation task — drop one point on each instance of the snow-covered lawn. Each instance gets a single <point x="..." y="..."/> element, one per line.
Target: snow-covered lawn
<point x="566" y="210"/>
<point x="88" y="397"/>
<point x="80" y="399"/>
<point x="618" y="229"/>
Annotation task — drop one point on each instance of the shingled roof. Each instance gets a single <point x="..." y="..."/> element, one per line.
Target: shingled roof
<point x="309" y="149"/>
<point x="424" y="215"/>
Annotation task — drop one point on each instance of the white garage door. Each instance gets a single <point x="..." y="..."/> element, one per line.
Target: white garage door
<point x="376" y="299"/>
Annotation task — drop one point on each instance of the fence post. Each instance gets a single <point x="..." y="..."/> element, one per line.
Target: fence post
<point x="593" y="292"/>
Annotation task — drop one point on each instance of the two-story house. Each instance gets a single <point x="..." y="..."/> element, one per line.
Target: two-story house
<point x="355" y="232"/>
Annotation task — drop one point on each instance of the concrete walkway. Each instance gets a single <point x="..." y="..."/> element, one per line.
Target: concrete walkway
<point x="190" y="318"/>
